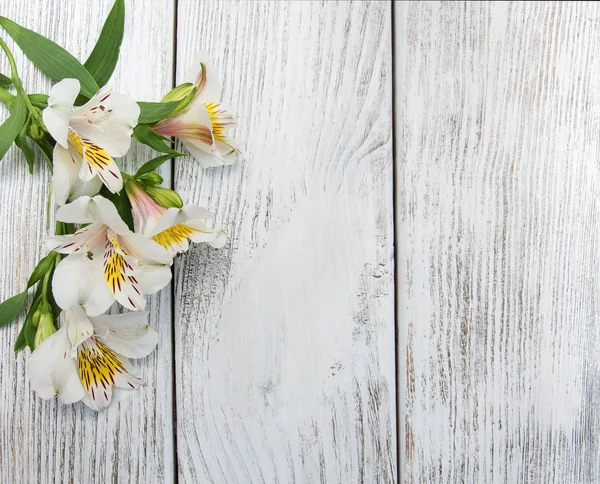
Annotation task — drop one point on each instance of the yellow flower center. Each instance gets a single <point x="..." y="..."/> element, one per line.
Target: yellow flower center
<point x="173" y="235"/>
<point x="97" y="365"/>
<point x="90" y="152"/>
<point x="219" y="119"/>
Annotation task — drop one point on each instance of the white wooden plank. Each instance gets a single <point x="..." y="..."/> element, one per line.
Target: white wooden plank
<point x="498" y="233"/>
<point x="43" y="441"/>
<point x="285" y="338"/>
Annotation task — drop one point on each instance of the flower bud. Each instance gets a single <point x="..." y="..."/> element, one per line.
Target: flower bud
<point x="151" y="178"/>
<point x="164" y="197"/>
<point x="45" y="329"/>
<point x="36" y="131"/>
<point x="184" y="93"/>
<point x="35" y="320"/>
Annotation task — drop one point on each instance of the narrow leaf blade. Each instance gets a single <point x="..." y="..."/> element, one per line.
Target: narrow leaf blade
<point x="11" y="128"/>
<point x="5" y="81"/>
<point x="103" y="59"/>
<point x="11" y="308"/>
<point x="45" y="265"/>
<point x="151" y="113"/>
<point x="153" y="164"/>
<point x="49" y="57"/>
<point x="146" y="135"/>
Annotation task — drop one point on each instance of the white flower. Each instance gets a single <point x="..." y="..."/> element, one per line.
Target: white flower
<point x="86" y="359"/>
<point x="203" y="127"/>
<point x="171" y="227"/>
<point x="87" y="137"/>
<point x="107" y="261"/>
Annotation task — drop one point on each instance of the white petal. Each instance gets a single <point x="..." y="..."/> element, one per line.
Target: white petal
<point x="153" y="278"/>
<point x="195" y="212"/>
<point x="108" y="120"/>
<point x="52" y="372"/>
<point x="79" y="327"/>
<point x="87" y="238"/>
<point x="168" y="219"/>
<point x="87" y="188"/>
<point x="79" y="281"/>
<point x="145" y="250"/>
<point x="65" y="173"/>
<point x="60" y="104"/>
<point x="211" y="90"/>
<point x="96" y="209"/>
<point x="127" y="334"/>
<point x="207" y="158"/>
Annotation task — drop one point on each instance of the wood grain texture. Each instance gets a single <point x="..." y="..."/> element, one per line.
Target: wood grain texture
<point x="285" y="338"/>
<point x="498" y="235"/>
<point x="45" y="441"/>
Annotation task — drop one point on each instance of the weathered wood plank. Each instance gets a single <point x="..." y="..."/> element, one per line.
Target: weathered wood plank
<point x="44" y="441"/>
<point x="498" y="233"/>
<point x="285" y="338"/>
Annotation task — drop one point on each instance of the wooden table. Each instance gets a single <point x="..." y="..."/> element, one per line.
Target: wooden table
<point x="411" y="286"/>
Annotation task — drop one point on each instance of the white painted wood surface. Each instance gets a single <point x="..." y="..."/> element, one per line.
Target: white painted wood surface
<point x="45" y="441"/>
<point x="285" y="356"/>
<point x="498" y="122"/>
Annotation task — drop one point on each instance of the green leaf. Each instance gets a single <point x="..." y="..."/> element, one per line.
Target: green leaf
<point x="151" y="113"/>
<point x="153" y="164"/>
<point x="5" y="81"/>
<point x="121" y="201"/>
<point x="21" y="142"/>
<point x="103" y="59"/>
<point x="11" y="308"/>
<point x="20" y="343"/>
<point x="11" y="128"/>
<point x="49" y="57"/>
<point x="43" y="266"/>
<point x="146" y="135"/>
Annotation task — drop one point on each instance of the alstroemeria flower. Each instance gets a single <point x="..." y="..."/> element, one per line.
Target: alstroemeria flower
<point x="106" y="261"/>
<point x="87" y="137"/>
<point x="203" y="127"/>
<point x="87" y="358"/>
<point x="171" y="227"/>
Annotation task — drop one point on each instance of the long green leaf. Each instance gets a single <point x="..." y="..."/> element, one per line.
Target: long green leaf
<point x="103" y="59"/>
<point x="49" y="57"/>
<point x="146" y="135"/>
<point x="153" y="164"/>
<point x="11" y="308"/>
<point x="45" y="265"/>
<point x="151" y="113"/>
<point x="5" y="81"/>
<point x="21" y="142"/>
<point x="10" y="129"/>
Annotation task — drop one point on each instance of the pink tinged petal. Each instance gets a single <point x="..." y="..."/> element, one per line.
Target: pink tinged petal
<point x="79" y="281"/>
<point x="79" y="327"/>
<point x="146" y="212"/>
<point x="52" y="372"/>
<point x="60" y="104"/>
<point x="127" y="334"/>
<point x="86" y="239"/>
<point x="193" y="125"/>
<point x="202" y="73"/>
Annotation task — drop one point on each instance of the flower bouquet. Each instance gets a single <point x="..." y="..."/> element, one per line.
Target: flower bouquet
<point x="116" y="233"/>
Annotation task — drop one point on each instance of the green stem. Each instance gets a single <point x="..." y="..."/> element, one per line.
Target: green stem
<point x="17" y="80"/>
<point x="5" y="96"/>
